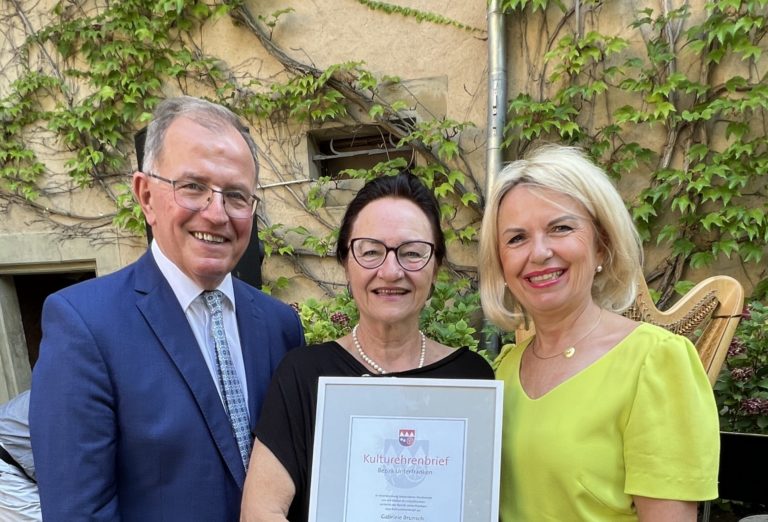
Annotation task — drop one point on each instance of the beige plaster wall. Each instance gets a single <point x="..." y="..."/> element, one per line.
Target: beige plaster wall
<point x="529" y="38"/>
<point x="65" y="226"/>
<point x="443" y="71"/>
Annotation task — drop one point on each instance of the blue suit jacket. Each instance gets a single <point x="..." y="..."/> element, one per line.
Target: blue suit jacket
<point x="126" y="421"/>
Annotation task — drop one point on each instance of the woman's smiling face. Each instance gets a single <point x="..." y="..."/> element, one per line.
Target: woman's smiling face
<point x="388" y="293"/>
<point x="548" y="249"/>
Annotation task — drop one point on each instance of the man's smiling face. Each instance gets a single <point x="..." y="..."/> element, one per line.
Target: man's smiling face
<point x="207" y="244"/>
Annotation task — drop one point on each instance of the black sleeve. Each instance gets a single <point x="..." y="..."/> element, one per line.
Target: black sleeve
<point x="475" y="366"/>
<point x="463" y="363"/>
<point x="287" y="420"/>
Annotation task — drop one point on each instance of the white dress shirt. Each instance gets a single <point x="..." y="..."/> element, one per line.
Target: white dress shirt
<point x="189" y="295"/>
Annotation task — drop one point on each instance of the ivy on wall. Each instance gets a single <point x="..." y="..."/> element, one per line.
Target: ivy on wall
<point x="105" y="67"/>
<point x="699" y="88"/>
<point x="92" y="76"/>
<point x="417" y="14"/>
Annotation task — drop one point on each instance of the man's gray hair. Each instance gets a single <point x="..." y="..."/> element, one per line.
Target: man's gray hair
<point x="202" y="112"/>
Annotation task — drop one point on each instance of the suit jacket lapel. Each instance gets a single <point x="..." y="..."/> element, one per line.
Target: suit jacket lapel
<point x="159" y="306"/>
<point x="256" y="353"/>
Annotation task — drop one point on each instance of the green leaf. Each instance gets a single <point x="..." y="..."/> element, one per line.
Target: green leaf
<point x="469" y="197"/>
<point x="682" y="287"/>
<point x="726" y="247"/>
<point x="751" y="252"/>
<point x="683" y="204"/>
<point x="713" y="218"/>
<point x="456" y="176"/>
<point x="702" y="260"/>
<point x="443" y="189"/>
<point x="468" y="233"/>
<point x="448" y="149"/>
<point x="667" y="233"/>
<point x="683" y="246"/>
<point x="376" y="111"/>
<point x="644" y="212"/>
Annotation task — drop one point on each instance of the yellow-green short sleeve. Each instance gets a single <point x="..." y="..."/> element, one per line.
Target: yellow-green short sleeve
<point x="672" y="438"/>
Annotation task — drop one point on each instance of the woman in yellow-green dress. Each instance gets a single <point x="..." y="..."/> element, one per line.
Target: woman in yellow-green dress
<point x="605" y="418"/>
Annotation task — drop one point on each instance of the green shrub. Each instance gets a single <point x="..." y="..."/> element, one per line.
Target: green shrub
<point x="741" y="389"/>
<point x="327" y="320"/>
<point x="451" y="311"/>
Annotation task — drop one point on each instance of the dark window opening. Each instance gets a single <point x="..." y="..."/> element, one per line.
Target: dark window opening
<point x="31" y="291"/>
<point x="335" y="150"/>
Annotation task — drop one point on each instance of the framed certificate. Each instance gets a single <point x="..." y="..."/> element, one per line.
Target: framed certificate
<point x="402" y="449"/>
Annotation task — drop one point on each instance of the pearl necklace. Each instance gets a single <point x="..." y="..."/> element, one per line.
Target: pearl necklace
<point x="370" y="362"/>
<point x="571" y="350"/>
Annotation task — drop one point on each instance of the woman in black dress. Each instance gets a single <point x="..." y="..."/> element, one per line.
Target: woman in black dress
<point x="397" y="215"/>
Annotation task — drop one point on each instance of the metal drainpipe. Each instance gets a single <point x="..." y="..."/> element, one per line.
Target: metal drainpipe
<point x="497" y="90"/>
<point x="497" y="103"/>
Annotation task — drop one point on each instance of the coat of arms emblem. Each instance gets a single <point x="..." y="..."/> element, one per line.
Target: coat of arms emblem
<point x="407" y="437"/>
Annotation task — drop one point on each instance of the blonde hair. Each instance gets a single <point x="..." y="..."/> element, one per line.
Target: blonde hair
<point x="565" y="170"/>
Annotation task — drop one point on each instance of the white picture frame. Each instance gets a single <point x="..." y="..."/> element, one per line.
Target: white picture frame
<point x="406" y="449"/>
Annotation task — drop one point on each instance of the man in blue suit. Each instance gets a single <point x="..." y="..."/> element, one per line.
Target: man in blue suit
<point x="131" y="414"/>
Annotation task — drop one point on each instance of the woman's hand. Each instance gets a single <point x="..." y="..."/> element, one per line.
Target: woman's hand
<point x="268" y="490"/>
<point x="662" y="510"/>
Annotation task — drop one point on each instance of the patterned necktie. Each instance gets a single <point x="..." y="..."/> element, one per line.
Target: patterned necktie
<point x="234" y="402"/>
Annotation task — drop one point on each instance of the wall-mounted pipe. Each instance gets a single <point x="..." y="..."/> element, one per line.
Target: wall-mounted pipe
<point x="497" y="90"/>
<point x="497" y="111"/>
